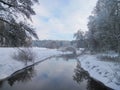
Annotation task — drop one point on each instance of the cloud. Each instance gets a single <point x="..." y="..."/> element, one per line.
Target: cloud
<point x="59" y="19"/>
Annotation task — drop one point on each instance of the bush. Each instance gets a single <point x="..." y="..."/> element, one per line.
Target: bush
<point x="109" y="58"/>
<point x="25" y="55"/>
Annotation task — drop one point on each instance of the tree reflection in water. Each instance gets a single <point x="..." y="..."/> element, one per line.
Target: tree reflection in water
<point x="67" y="57"/>
<point x="81" y="75"/>
<point x="23" y="76"/>
<point x="1" y="83"/>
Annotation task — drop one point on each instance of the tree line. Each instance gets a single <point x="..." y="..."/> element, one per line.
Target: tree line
<point x="104" y="27"/>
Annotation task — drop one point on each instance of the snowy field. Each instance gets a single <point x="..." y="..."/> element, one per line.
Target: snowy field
<point x="8" y="65"/>
<point x="104" y="71"/>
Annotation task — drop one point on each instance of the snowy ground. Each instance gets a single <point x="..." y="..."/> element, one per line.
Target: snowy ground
<point x="8" y="65"/>
<point x="104" y="71"/>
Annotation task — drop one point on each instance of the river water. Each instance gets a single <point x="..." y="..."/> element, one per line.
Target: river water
<point x="59" y="73"/>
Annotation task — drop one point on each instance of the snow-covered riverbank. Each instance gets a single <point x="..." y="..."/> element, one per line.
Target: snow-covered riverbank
<point x="8" y="65"/>
<point x="104" y="71"/>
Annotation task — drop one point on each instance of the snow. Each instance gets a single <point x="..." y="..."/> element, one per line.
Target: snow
<point x="111" y="54"/>
<point x="104" y="71"/>
<point x="8" y="65"/>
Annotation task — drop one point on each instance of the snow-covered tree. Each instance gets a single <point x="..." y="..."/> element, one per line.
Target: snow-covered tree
<point x="79" y="36"/>
<point x="104" y="26"/>
<point x="14" y="15"/>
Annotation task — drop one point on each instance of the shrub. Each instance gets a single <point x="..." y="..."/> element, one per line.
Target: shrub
<point x="25" y="55"/>
<point x="109" y="58"/>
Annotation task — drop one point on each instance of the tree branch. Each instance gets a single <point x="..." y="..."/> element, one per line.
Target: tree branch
<point x="6" y="3"/>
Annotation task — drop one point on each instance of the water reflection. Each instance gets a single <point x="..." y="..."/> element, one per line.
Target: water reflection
<point x="67" y="56"/>
<point x="24" y="76"/>
<point x="1" y="83"/>
<point x="53" y="75"/>
<point x="81" y="75"/>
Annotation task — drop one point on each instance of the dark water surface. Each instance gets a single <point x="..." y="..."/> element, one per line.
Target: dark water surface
<point x="54" y="74"/>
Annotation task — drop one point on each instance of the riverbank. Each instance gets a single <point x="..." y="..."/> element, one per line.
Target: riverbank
<point x="56" y="73"/>
<point x="8" y="65"/>
<point x="104" y="71"/>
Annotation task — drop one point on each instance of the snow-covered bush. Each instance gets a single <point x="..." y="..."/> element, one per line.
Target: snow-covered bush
<point x="25" y="55"/>
<point x="109" y="56"/>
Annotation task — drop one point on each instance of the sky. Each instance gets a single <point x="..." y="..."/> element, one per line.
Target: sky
<point x="60" y="19"/>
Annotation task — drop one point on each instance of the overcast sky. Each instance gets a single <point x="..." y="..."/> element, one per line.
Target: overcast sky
<point x="59" y="19"/>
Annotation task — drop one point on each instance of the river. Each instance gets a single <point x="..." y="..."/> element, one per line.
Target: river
<point x="58" y="73"/>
